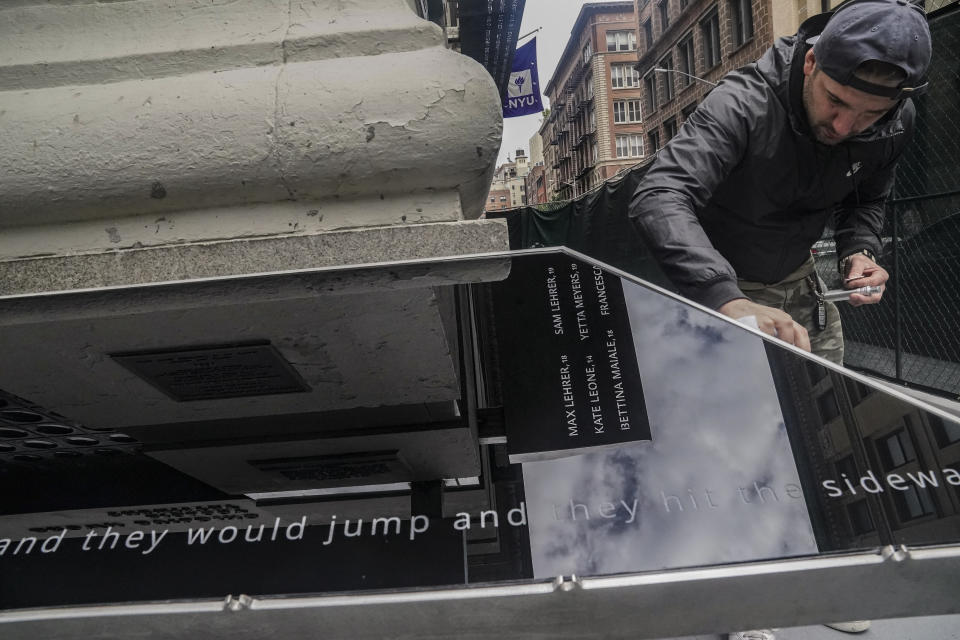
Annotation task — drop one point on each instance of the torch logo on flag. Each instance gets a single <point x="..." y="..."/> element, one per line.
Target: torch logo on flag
<point x="520" y="84"/>
<point x="523" y="90"/>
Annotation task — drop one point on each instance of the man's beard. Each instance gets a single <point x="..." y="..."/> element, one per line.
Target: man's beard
<point x="822" y="132"/>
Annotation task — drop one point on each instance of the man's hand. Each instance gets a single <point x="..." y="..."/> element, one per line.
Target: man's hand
<point x="772" y="321"/>
<point x="861" y="271"/>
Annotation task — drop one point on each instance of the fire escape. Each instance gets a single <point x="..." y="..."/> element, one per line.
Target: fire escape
<point x="576" y="113"/>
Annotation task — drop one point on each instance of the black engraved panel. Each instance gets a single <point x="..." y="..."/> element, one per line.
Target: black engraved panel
<point x="571" y="380"/>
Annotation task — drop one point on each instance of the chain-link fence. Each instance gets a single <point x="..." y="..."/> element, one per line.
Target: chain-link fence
<point x="914" y="335"/>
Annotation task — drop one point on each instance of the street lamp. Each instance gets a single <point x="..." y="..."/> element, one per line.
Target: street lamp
<point x="689" y="75"/>
<point x="571" y="185"/>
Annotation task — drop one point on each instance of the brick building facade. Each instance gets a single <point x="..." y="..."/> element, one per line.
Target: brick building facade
<point x="536" y="182"/>
<point x="705" y="39"/>
<point x="497" y="199"/>
<point x="594" y="128"/>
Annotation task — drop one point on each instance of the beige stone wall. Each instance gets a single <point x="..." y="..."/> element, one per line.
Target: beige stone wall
<point x="536" y="149"/>
<point x="602" y="100"/>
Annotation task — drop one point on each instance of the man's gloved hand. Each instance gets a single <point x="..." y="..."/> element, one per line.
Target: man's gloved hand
<point x="769" y="320"/>
<point x="860" y="271"/>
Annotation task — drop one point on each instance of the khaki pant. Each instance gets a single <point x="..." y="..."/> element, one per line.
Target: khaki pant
<point x="794" y="295"/>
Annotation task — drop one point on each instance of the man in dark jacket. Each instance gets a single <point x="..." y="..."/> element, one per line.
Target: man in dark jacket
<point x="733" y="204"/>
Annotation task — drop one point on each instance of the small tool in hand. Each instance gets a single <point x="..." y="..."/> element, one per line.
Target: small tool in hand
<point x="838" y="295"/>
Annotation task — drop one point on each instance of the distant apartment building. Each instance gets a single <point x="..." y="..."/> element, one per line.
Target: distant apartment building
<point x="536" y="179"/>
<point x="536" y="150"/>
<point x="536" y="182"/>
<point x="686" y="44"/>
<point x="595" y="128"/>
<point x="508" y="189"/>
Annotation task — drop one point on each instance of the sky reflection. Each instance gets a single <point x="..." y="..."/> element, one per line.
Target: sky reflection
<point x="717" y="484"/>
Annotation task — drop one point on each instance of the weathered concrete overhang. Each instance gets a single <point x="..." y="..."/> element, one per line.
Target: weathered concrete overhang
<point x="148" y="140"/>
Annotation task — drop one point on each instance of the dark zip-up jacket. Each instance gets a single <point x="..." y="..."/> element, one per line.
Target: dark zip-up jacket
<point x="744" y="189"/>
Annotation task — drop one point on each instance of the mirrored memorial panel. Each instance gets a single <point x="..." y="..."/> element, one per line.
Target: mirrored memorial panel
<point x="495" y="420"/>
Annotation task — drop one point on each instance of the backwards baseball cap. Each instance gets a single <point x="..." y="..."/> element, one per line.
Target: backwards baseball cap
<point x="890" y="31"/>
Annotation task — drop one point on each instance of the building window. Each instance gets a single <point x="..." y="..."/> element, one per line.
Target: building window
<point x="587" y="52"/>
<point x="742" y="21"/>
<point x="857" y="391"/>
<point x="626" y="111"/>
<point x="503" y="198"/>
<point x="913" y="503"/>
<point x="594" y="153"/>
<point x="648" y="34"/>
<point x="630" y="145"/>
<point x="493" y="199"/>
<point x="945" y="432"/>
<point x="621" y="40"/>
<point x="859" y="513"/>
<point x="670" y="128"/>
<point x="827" y="404"/>
<point x="654" y="137"/>
<point x="592" y="119"/>
<point x="860" y="520"/>
<point x="846" y="466"/>
<point x="815" y="372"/>
<point x="620" y="111"/>
<point x="623" y="76"/>
<point x="664" y="9"/>
<point x="688" y="60"/>
<point x="589" y="82"/>
<point x="896" y="450"/>
<point x="710" y="26"/>
<point x="956" y="488"/>
<point x="650" y="87"/>
<point x="667" y="63"/>
<point x="687" y="111"/>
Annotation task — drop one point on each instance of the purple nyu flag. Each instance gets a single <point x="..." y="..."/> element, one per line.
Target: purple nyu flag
<point x="523" y="90"/>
